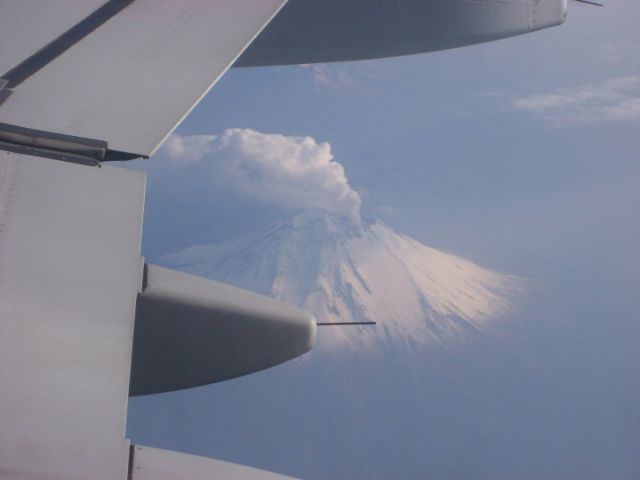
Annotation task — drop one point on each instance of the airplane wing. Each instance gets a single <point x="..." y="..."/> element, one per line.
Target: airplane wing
<point x="86" y="81"/>
<point x="121" y="77"/>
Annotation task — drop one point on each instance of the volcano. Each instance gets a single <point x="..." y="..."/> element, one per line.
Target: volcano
<point x="346" y="272"/>
<point x="462" y="377"/>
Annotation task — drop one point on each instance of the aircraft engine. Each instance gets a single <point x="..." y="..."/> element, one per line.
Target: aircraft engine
<point x="308" y="31"/>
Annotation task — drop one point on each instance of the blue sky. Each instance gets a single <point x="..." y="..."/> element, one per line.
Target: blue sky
<point x="521" y="155"/>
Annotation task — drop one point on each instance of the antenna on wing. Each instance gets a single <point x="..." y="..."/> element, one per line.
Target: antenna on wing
<point x="325" y="324"/>
<point x="589" y="2"/>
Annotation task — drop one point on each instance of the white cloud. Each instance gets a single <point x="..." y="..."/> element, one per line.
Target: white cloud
<point x="287" y="171"/>
<point x="188" y="149"/>
<point x="341" y="76"/>
<point x="332" y="76"/>
<point x="617" y="99"/>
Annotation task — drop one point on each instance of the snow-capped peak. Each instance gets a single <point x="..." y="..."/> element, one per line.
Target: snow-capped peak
<point x="367" y="272"/>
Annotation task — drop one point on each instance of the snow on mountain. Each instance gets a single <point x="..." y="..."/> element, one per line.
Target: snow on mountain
<point x="342" y="272"/>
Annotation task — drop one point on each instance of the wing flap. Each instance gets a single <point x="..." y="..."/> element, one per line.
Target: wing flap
<point x="70" y="269"/>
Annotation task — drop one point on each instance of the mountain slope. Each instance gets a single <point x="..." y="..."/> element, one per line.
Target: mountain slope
<point x="547" y="394"/>
<point x="345" y="272"/>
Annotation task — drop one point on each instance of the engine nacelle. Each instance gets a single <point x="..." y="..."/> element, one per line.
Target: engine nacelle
<point x="312" y="31"/>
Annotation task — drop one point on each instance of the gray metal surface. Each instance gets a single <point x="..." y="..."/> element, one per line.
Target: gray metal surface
<point x="133" y="79"/>
<point x="38" y="143"/>
<point x="69" y="273"/>
<point x="192" y="331"/>
<point x="155" y="464"/>
<point x="311" y="31"/>
<point x="26" y="26"/>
